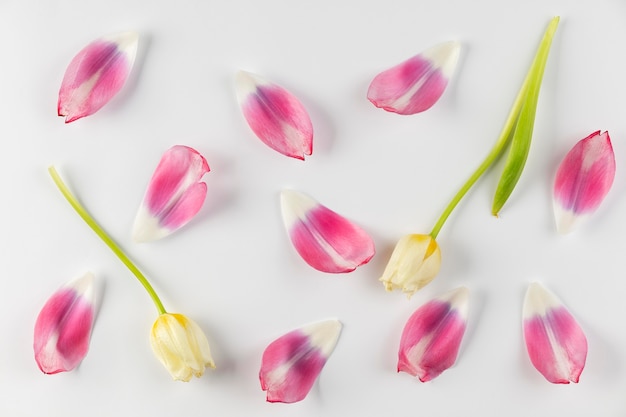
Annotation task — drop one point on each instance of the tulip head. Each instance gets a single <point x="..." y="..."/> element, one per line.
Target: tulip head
<point x="181" y="346"/>
<point x="415" y="262"/>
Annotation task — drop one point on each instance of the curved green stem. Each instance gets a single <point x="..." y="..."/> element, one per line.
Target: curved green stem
<point x="91" y="222"/>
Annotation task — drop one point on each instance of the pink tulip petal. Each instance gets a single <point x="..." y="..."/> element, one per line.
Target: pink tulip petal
<point x="96" y="74"/>
<point x="63" y="327"/>
<point x="556" y="344"/>
<point x="416" y="84"/>
<point x="174" y="196"/>
<point x="275" y="115"/>
<point x="324" y="239"/>
<point x="292" y="363"/>
<point x="432" y="336"/>
<point x="583" y="179"/>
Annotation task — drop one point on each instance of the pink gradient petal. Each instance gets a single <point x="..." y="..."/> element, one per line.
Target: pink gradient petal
<point x="416" y="84"/>
<point x="432" y="336"/>
<point x="63" y="327"/>
<point x="174" y="196"/>
<point x="292" y="363"/>
<point x="275" y="116"/>
<point x="324" y="239"/>
<point x="583" y="179"/>
<point x="556" y="344"/>
<point x="95" y="75"/>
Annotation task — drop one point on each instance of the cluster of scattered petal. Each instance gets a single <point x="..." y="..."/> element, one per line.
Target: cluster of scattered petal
<point x="583" y="179"/>
<point x="63" y="327"/>
<point x="432" y="336"/>
<point x="414" y="263"/>
<point x="556" y="344"/>
<point x="96" y="74"/>
<point x="181" y="346"/>
<point x="324" y="239"/>
<point x="416" y="84"/>
<point x="292" y="363"/>
<point x="275" y="115"/>
<point x="174" y="196"/>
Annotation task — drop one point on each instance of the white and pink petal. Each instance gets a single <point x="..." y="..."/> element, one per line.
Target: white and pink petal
<point x="556" y="344"/>
<point x="174" y="196"/>
<point x="432" y="336"/>
<point x="96" y="74"/>
<point x="275" y="115"/>
<point x="63" y="326"/>
<point x="416" y="84"/>
<point x="325" y="240"/>
<point x="292" y="363"/>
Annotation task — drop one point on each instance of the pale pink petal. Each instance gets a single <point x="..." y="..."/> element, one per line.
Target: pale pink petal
<point x="96" y="74"/>
<point x="432" y="336"/>
<point x="583" y="179"/>
<point x="556" y="344"/>
<point x="416" y="84"/>
<point x="63" y="327"/>
<point x="174" y="196"/>
<point x="324" y="239"/>
<point x="275" y="115"/>
<point x="291" y="363"/>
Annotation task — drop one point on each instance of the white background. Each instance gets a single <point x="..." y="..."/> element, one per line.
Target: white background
<point x="233" y="270"/>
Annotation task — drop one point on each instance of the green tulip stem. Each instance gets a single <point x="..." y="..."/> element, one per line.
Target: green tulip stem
<point x="91" y="222"/>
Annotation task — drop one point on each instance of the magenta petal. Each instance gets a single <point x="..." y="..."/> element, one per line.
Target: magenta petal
<point x="324" y="239"/>
<point x="96" y="74"/>
<point x="583" y="179"/>
<point x="292" y="363"/>
<point x="556" y="344"/>
<point x="432" y="336"/>
<point x="174" y="196"/>
<point x="63" y="327"/>
<point x="416" y="84"/>
<point x="275" y="115"/>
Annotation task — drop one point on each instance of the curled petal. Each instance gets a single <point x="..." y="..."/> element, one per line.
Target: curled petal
<point x="291" y="363"/>
<point x="275" y="115"/>
<point x="63" y="327"/>
<point x="432" y="336"/>
<point x="96" y="74"/>
<point x="324" y="239"/>
<point x="416" y="84"/>
<point x="556" y="344"/>
<point x="181" y="346"/>
<point x="583" y="180"/>
<point x="174" y="196"/>
<point x="414" y="263"/>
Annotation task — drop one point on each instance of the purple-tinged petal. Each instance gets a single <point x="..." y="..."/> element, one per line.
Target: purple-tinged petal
<point x="556" y="344"/>
<point x="63" y="327"/>
<point x="291" y="363"/>
<point x="324" y="239"/>
<point x="96" y="74"/>
<point x="416" y="84"/>
<point x="275" y="115"/>
<point x="174" y="196"/>
<point x="432" y="336"/>
<point x="583" y="179"/>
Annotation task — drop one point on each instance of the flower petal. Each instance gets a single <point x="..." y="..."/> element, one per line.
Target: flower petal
<point x="181" y="346"/>
<point x="583" y="179"/>
<point x="556" y="344"/>
<point x="275" y="115"/>
<point x="63" y="327"/>
<point x="291" y="363"/>
<point x="432" y="336"/>
<point x="174" y="196"/>
<point x="324" y="239"/>
<point x="96" y="74"/>
<point x="416" y="84"/>
<point x="414" y="263"/>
